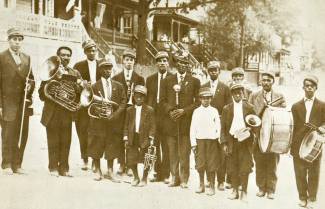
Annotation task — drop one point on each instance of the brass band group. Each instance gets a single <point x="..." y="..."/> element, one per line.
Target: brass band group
<point x="159" y="122"/>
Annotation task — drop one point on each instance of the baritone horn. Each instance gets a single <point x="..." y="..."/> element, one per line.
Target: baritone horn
<point x="150" y="158"/>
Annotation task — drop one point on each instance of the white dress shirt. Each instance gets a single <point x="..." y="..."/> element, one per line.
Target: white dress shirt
<point x="205" y="124"/>
<point x="159" y="79"/>
<point x="308" y="104"/>
<point x="107" y="86"/>
<point x="137" y="117"/>
<point x="214" y="85"/>
<point x="127" y="74"/>
<point x="238" y="121"/>
<point x="16" y="56"/>
<point x="179" y="77"/>
<point x="92" y="65"/>
<point x="267" y="96"/>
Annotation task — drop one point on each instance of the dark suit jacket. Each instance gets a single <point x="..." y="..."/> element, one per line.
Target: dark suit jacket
<point x="151" y="99"/>
<point x="83" y="69"/>
<point x="135" y="78"/>
<point x="188" y="100"/>
<point x="147" y="125"/>
<point x="226" y="121"/>
<point x="12" y="84"/>
<point x="317" y="118"/>
<point x="99" y="127"/>
<point x="221" y="97"/>
<point x="49" y="106"/>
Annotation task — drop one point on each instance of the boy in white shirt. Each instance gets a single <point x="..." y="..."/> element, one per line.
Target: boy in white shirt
<point x="204" y="134"/>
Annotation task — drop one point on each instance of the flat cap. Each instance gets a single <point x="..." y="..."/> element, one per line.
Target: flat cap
<point x="161" y="54"/>
<point x="140" y="89"/>
<point x="14" y="32"/>
<point x="105" y="62"/>
<point x="311" y="78"/>
<point x="182" y="58"/>
<point x="236" y="86"/>
<point x="129" y="53"/>
<point x="269" y="73"/>
<point x="205" y="92"/>
<point x="88" y="43"/>
<point x="213" y="64"/>
<point x="237" y="71"/>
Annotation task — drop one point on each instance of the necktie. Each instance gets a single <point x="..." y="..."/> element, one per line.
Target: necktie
<point x="181" y="78"/>
<point x="128" y="75"/>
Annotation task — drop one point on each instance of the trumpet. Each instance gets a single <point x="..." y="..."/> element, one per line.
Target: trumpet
<point x="130" y="92"/>
<point x="150" y="157"/>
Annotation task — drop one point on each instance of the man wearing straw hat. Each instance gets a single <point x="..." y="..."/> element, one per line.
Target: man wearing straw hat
<point x="15" y="68"/>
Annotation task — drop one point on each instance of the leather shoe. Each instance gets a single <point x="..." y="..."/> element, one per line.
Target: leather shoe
<point x="120" y="170"/>
<point x="65" y="174"/>
<point x="98" y="176"/>
<point x="166" y="180"/>
<point x="260" y="193"/>
<point x="18" y="171"/>
<point x="243" y="196"/>
<point x="84" y="166"/>
<point x="129" y="172"/>
<point x="110" y="176"/>
<point x="228" y="186"/>
<point x="270" y="196"/>
<point x="201" y="189"/>
<point x="135" y="182"/>
<point x="174" y="183"/>
<point x="54" y="173"/>
<point x="211" y="191"/>
<point x="142" y="183"/>
<point x="311" y="204"/>
<point x="154" y="179"/>
<point x="234" y="195"/>
<point x="302" y="203"/>
<point x="221" y="187"/>
<point x="7" y="171"/>
<point x="184" y="185"/>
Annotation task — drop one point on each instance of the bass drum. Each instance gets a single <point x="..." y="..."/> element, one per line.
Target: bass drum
<point x="276" y="131"/>
<point x="310" y="146"/>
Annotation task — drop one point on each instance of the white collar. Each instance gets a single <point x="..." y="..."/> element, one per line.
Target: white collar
<point x="89" y="61"/>
<point x="138" y="107"/>
<point x="106" y="80"/>
<point x="162" y="74"/>
<point x="214" y="82"/>
<point x="179" y="75"/>
<point x="14" y="53"/>
<point x="237" y="103"/>
<point x="311" y="100"/>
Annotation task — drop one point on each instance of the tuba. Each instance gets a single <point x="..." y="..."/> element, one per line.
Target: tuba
<point x="60" y="87"/>
<point x="130" y="92"/>
<point x="99" y="107"/>
<point x="150" y="158"/>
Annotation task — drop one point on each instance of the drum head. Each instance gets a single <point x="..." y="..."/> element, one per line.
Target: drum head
<point x="265" y="130"/>
<point x="307" y="144"/>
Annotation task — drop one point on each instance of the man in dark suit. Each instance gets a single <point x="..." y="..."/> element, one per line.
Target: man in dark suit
<point x="179" y="97"/>
<point x="239" y="150"/>
<point x="88" y="71"/>
<point x="129" y="79"/>
<point x="308" y="110"/>
<point x="153" y="84"/>
<point x="104" y="132"/>
<point x="139" y="133"/>
<point x="15" y="68"/>
<point x="221" y="97"/>
<point x="58" y="119"/>
<point x="266" y="163"/>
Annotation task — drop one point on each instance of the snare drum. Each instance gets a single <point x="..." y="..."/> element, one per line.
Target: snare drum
<point x="310" y="146"/>
<point x="276" y="131"/>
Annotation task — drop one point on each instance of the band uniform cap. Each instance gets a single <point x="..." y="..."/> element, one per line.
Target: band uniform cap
<point x="237" y="71"/>
<point x="205" y="92"/>
<point x="105" y="62"/>
<point x="182" y="58"/>
<point x="129" y="53"/>
<point x="269" y="73"/>
<point x="140" y="89"/>
<point x="311" y="78"/>
<point x="14" y="32"/>
<point x="88" y="43"/>
<point x="161" y="54"/>
<point x="236" y="86"/>
<point x="213" y="64"/>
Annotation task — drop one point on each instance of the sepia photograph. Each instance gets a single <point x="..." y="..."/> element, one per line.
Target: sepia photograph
<point x="162" y="104"/>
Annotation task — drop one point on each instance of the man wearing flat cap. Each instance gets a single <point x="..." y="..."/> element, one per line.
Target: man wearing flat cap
<point x="179" y="96"/>
<point x="221" y="97"/>
<point x="238" y="76"/>
<point x="154" y="84"/>
<point x="15" y="68"/>
<point x="58" y="119"/>
<point x="307" y="110"/>
<point x="88" y="71"/>
<point x="104" y="133"/>
<point x="129" y="79"/>
<point x="239" y="150"/>
<point x="266" y="163"/>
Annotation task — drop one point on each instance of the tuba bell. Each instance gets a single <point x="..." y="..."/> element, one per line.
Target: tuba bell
<point x="60" y="87"/>
<point x="99" y="107"/>
<point x="253" y="121"/>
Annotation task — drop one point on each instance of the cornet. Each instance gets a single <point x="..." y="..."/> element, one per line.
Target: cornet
<point x="130" y="92"/>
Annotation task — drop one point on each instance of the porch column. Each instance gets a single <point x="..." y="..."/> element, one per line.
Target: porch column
<point x="40" y="7"/>
<point x="171" y="30"/>
<point x="12" y="4"/>
<point x="114" y="24"/>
